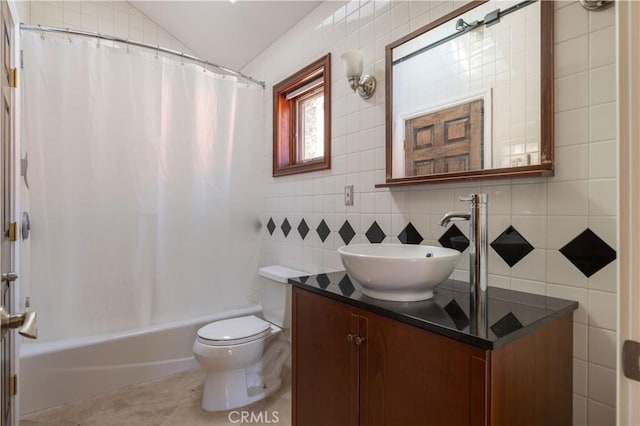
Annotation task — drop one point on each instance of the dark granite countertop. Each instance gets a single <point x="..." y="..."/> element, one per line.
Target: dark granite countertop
<point x="510" y="314"/>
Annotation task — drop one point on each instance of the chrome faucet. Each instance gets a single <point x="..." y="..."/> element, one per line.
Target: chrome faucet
<point x="478" y="251"/>
<point x="454" y="216"/>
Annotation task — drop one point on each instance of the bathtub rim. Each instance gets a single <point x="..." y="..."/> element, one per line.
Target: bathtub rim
<point x="34" y="348"/>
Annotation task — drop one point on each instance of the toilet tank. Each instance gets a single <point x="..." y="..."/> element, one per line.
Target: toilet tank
<point x="275" y="292"/>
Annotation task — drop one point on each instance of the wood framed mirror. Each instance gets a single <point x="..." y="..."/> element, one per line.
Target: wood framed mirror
<point x="470" y="95"/>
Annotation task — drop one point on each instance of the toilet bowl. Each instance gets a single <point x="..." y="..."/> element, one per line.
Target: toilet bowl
<point x="244" y="356"/>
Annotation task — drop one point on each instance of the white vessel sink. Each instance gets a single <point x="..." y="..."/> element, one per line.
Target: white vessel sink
<point x="398" y="272"/>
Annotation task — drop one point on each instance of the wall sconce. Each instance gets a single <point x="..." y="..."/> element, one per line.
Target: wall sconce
<point x="365" y="85"/>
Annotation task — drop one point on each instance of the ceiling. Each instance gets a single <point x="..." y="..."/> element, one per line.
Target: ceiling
<point x="225" y="33"/>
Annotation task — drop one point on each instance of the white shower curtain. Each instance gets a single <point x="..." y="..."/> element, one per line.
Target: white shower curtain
<point x="142" y="187"/>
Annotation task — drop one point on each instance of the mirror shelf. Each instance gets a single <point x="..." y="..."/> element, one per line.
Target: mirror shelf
<point x="538" y="170"/>
<point x="498" y="125"/>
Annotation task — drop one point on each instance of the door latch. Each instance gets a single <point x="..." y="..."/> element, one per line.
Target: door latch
<point x="7" y="277"/>
<point x="26" y="322"/>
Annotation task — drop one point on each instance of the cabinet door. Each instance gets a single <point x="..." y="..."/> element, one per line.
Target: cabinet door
<point x="325" y="362"/>
<point x="410" y="376"/>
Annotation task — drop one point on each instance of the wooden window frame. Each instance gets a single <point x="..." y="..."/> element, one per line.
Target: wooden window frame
<point x="285" y="124"/>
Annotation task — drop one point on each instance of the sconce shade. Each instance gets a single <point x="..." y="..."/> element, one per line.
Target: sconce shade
<point x="352" y="63"/>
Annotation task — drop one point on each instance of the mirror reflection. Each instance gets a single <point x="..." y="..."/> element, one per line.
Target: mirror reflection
<point x="466" y="93"/>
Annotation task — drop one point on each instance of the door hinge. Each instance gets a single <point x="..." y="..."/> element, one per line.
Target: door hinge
<point x="13" y="77"/>
<point x="13" y="385"/>
<point x="21" y="59"/>
<point x="631" y="359"/>
<point x="13" y="231"/>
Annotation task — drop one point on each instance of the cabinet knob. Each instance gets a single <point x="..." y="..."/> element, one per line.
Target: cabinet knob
<point x="349" y="337"/>
<point x="359" y="340"/>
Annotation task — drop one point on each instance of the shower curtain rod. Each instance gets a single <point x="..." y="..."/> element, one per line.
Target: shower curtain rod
<point x="157" y="48"/>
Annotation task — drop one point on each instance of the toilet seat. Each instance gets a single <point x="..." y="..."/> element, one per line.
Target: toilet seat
<point x="233" y="331"/>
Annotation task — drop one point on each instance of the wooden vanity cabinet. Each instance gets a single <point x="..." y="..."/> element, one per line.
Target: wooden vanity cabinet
<point x="354" y="367"/>
<point x="325" y="364"/>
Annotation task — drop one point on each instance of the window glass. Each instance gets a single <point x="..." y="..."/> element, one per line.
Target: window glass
<point x="311" y="131"/>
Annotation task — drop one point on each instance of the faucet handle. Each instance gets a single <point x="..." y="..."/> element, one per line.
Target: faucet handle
<point x="475" y="198"/>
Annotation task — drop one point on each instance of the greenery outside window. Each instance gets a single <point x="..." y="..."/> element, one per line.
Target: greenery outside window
<point x="302" y="120"/>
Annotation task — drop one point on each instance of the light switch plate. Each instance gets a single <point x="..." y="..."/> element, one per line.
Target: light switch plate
<point x="348" y="195"/>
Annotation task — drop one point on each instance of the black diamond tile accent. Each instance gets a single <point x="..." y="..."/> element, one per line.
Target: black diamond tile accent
<point x="286" y="228"/>
<point x="323" y="281"/>
<point x="375" y="234"/>
<point x="303" y="229"/>
<point x="410" y="235"/>
<point x="588" y="252"/>
<point x="506" y="325"/>
<point x="454" y="239"/>
<point x="304" y="279"/>
<point x="346" y="286"/>
<point x="271" y="226"/>
<point x="323" y="230"/>
<point x="511" y="246"/>
<point x="460" y="319"/>
<point x="346" y="232"/>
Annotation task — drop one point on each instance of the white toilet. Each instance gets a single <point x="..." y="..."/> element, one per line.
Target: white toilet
<point x="244" y="356"/>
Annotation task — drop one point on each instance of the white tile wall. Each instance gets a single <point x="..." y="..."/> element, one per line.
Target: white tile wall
<point x="117" y="18"/>
<point x="548" y="212"/>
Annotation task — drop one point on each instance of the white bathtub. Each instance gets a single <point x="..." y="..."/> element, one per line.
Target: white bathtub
<point x="58" y="372"/>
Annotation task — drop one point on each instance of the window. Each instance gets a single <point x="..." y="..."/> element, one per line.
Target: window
<point x="302" y="120"/>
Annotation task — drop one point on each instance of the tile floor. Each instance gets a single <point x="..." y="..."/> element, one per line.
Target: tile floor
<point x="171" y="401"/>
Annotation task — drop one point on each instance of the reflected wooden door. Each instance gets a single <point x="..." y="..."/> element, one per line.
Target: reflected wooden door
<point x="445" y="141"/>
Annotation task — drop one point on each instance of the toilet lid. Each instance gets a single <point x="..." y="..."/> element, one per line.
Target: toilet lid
<point x="234" y="331"/>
